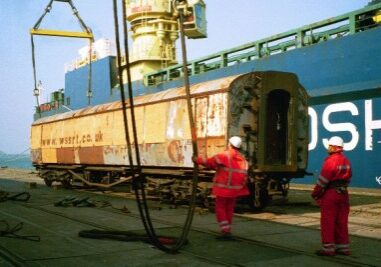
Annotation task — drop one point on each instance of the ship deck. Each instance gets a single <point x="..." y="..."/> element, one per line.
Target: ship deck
<point x="284" y="234"/>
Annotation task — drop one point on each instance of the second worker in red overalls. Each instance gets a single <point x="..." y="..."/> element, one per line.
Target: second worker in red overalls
<point x="332" y="196"/>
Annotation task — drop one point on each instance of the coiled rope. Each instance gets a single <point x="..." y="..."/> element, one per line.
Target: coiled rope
<point x="19" y="196"/>
<point x="11" y="232"/>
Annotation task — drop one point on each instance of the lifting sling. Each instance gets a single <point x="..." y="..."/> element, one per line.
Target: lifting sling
<point x="87" y="34"/>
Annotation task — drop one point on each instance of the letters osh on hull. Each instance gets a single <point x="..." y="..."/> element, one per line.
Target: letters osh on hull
<point x="359" y="123"/>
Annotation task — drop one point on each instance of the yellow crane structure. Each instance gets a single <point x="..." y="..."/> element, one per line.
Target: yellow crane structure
<point x="154" y="27"/>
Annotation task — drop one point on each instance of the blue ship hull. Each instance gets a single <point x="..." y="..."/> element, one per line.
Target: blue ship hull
<point x="343" y="79"/>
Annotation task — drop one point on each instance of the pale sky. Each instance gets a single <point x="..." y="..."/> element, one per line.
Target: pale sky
<point x="230" y="24"/>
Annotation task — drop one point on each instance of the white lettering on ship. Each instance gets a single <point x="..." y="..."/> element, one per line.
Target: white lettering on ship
<point x="370" y="125"/>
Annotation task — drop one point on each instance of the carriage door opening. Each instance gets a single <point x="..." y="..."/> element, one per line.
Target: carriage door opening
<point x="276" y="136"/>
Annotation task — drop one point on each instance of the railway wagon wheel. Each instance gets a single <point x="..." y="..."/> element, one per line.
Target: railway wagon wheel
<point x="284" y="186"/>
<point x="67" y="180"/>
<point x="48" y="182"/>
<point x="48" y="177"/>
<point x="259" y="195"/>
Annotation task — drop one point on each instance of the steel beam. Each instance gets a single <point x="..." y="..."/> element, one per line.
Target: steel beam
<point x="59" y="33"/>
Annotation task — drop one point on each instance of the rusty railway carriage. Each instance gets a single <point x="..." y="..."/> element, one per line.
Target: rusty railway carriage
<point x="267" y="109"/>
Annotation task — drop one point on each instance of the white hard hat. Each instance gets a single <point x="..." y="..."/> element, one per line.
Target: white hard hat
<point x="235" y="141"/>
<point x="336" y="141"/>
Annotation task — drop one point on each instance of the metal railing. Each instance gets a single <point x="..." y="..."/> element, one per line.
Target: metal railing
<point x="347" y="24"/>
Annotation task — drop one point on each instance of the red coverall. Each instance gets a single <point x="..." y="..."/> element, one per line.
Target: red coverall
<point x="230" y="182"/>
<point x="334" y="203"/>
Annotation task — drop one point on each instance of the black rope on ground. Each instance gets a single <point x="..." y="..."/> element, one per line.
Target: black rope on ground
<point x="124" y="236"/>
<point x="20" y="196"/>
<point x="11" y="232"/>
<point x="70" y="201"/>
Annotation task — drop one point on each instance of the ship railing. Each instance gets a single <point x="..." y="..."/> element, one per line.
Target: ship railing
<point x="337" y="27"/>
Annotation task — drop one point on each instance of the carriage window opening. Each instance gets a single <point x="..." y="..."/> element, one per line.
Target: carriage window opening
<point x="276" y="138"/>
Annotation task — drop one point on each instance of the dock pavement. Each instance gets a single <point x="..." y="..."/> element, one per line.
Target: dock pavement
<point x="283" y="234"/>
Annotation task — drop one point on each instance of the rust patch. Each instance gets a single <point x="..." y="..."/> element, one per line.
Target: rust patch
<point x="91" y="155"/>
<point x="210" y="146"/>
<point x="36" y="155"/>
<point x="211" y="115"/>
<point x="209" y="87"/>
<point x="175" y="151"/>
<point x="65" y="155"/>
<point x="115" y="155"/>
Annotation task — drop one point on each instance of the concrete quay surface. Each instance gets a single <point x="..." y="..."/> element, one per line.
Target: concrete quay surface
<point x="284" y="234"/>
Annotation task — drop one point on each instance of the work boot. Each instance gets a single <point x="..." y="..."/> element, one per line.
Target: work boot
<point x="225" y="236"/>
<point x="325" y="253"/>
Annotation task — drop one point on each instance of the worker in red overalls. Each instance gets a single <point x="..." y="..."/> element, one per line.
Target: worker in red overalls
<point x="230" y="182"/>
<point x="332" y="196"/>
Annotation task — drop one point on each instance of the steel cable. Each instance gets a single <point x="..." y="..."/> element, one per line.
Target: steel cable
<point x="192" y="204"/>
<point x="35" y="91"/>
<point x="137" y="183"/>
<point x="138" y="177"/>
